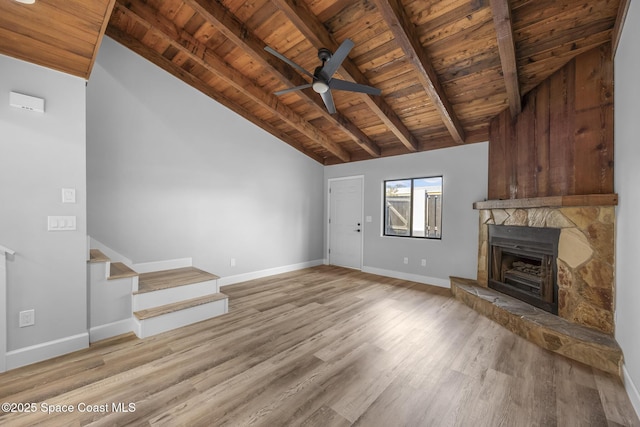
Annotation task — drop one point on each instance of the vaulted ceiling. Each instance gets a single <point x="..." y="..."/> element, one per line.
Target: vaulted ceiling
<point x="445" y="68"/>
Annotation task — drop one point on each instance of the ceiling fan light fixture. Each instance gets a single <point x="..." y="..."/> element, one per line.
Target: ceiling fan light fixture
<point x="320" y="87"/>
<point x="322" y="78"/>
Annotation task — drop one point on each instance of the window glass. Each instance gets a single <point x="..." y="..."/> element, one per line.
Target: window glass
<point x="413" y="207"/>
<point x="398" y="207"/>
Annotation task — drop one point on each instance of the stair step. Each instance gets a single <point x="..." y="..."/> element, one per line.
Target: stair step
<point x="119" y="270"/>
<point x="181" y="305"/>
<point x="158" y="280"/>
<point x="95" y="255"/>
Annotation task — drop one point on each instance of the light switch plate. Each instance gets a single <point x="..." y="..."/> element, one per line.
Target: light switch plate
<point x="68" y="195"/>
<point x="61" y="223"/>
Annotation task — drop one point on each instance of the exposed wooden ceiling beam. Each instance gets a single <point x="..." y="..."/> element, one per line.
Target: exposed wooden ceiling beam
<point x="204" y="57"/>
<point x="406" y="36"/>
<point x="623" y="8"/>
<point x="216" y="14"/>
<point x="176" y="70"/>
<point x="506" y="47"/>
<point x="311" y="27"/>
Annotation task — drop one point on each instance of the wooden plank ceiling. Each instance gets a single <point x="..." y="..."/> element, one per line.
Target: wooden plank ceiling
<point x="61" y="34"/>
<point x="445" y="67"/>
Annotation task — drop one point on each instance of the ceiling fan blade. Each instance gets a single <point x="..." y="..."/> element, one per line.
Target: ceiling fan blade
<point x="353" y="87"/>
<point x="334" y="63"/>
<point x="291" y="89"/>
<point x="287" y="60"/>
<point x="328" y="101"/>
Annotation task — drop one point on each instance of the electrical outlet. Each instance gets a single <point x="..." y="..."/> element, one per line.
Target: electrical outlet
<point x="423" y="263"/>
<point x="406" y="260"/>
<point x="27" y="318"/>
<point x="68" y="195"/>
<point x="232" y="262"/>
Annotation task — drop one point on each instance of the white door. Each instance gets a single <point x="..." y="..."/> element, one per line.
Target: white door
<point x="345" y="222"/>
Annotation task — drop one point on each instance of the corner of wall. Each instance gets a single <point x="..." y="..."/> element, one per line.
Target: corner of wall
<point x="632" y="390"/>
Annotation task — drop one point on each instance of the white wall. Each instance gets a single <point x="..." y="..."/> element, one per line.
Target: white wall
<point x="39" y="155"/>
<point x="627" y="183"/>
<point x="464" y="171"/>
<point x="173" y="174"/>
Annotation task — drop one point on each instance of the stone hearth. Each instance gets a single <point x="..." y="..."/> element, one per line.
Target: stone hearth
<point x="547" y="330"/>
<point x="583" y="329"/>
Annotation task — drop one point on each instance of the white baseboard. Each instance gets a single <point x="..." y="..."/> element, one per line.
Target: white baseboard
<point x="427" y="280"/>
<point x="169" y="264"/>
<point x="632" y="390"/>
<point x="109" y="330"/>
<point x="230" y="280"/>
<point x="47" y="350"/>
<point x="443" y="283"/>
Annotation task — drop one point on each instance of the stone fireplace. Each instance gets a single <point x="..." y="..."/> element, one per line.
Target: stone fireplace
<point x="551" y="167"/>
<point x="584" y="258"/>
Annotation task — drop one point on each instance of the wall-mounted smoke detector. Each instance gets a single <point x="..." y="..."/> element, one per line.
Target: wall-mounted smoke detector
<point x="26" y="102"/>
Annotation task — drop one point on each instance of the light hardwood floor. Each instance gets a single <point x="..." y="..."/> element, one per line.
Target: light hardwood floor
<point x="324" y="346"/>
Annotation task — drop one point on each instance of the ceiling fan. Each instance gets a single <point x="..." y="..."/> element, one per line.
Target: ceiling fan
<point x="322" y="77"/>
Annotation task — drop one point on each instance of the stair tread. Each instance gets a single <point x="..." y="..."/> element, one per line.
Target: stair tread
<point x="180" y="305"/>
<point x="158" y="280"/>
<point x="119" y="270"/>
<point x="95" y="255"/>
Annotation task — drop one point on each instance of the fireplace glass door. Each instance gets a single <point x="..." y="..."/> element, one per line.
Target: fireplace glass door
<point x="529" y="273"/>
<point x="522" y="264"/>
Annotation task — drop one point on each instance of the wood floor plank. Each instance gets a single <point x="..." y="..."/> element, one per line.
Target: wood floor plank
<point x="578" y="405"/>
<point x="324" y="346"/>
<point x="362" y="382"/>
<point x="316" y="388"/>
<point x="325" y="417"/>
<point x="147" y="408"/>
<point x="613" y="398"/>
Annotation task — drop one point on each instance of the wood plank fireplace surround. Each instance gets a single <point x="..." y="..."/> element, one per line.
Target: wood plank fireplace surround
<point x="547" y="233"/>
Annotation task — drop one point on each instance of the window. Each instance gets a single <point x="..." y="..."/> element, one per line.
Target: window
<point x="413" y="207"/>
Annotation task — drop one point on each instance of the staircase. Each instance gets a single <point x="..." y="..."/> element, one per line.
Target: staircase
<point x="170" y="299"/>
<point x="122" y="300"/>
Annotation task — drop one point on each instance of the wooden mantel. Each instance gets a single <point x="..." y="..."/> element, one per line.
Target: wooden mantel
<point x="550" y="202"/>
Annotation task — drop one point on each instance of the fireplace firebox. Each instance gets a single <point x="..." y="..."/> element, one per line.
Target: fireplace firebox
<point x="522" y="264"/>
